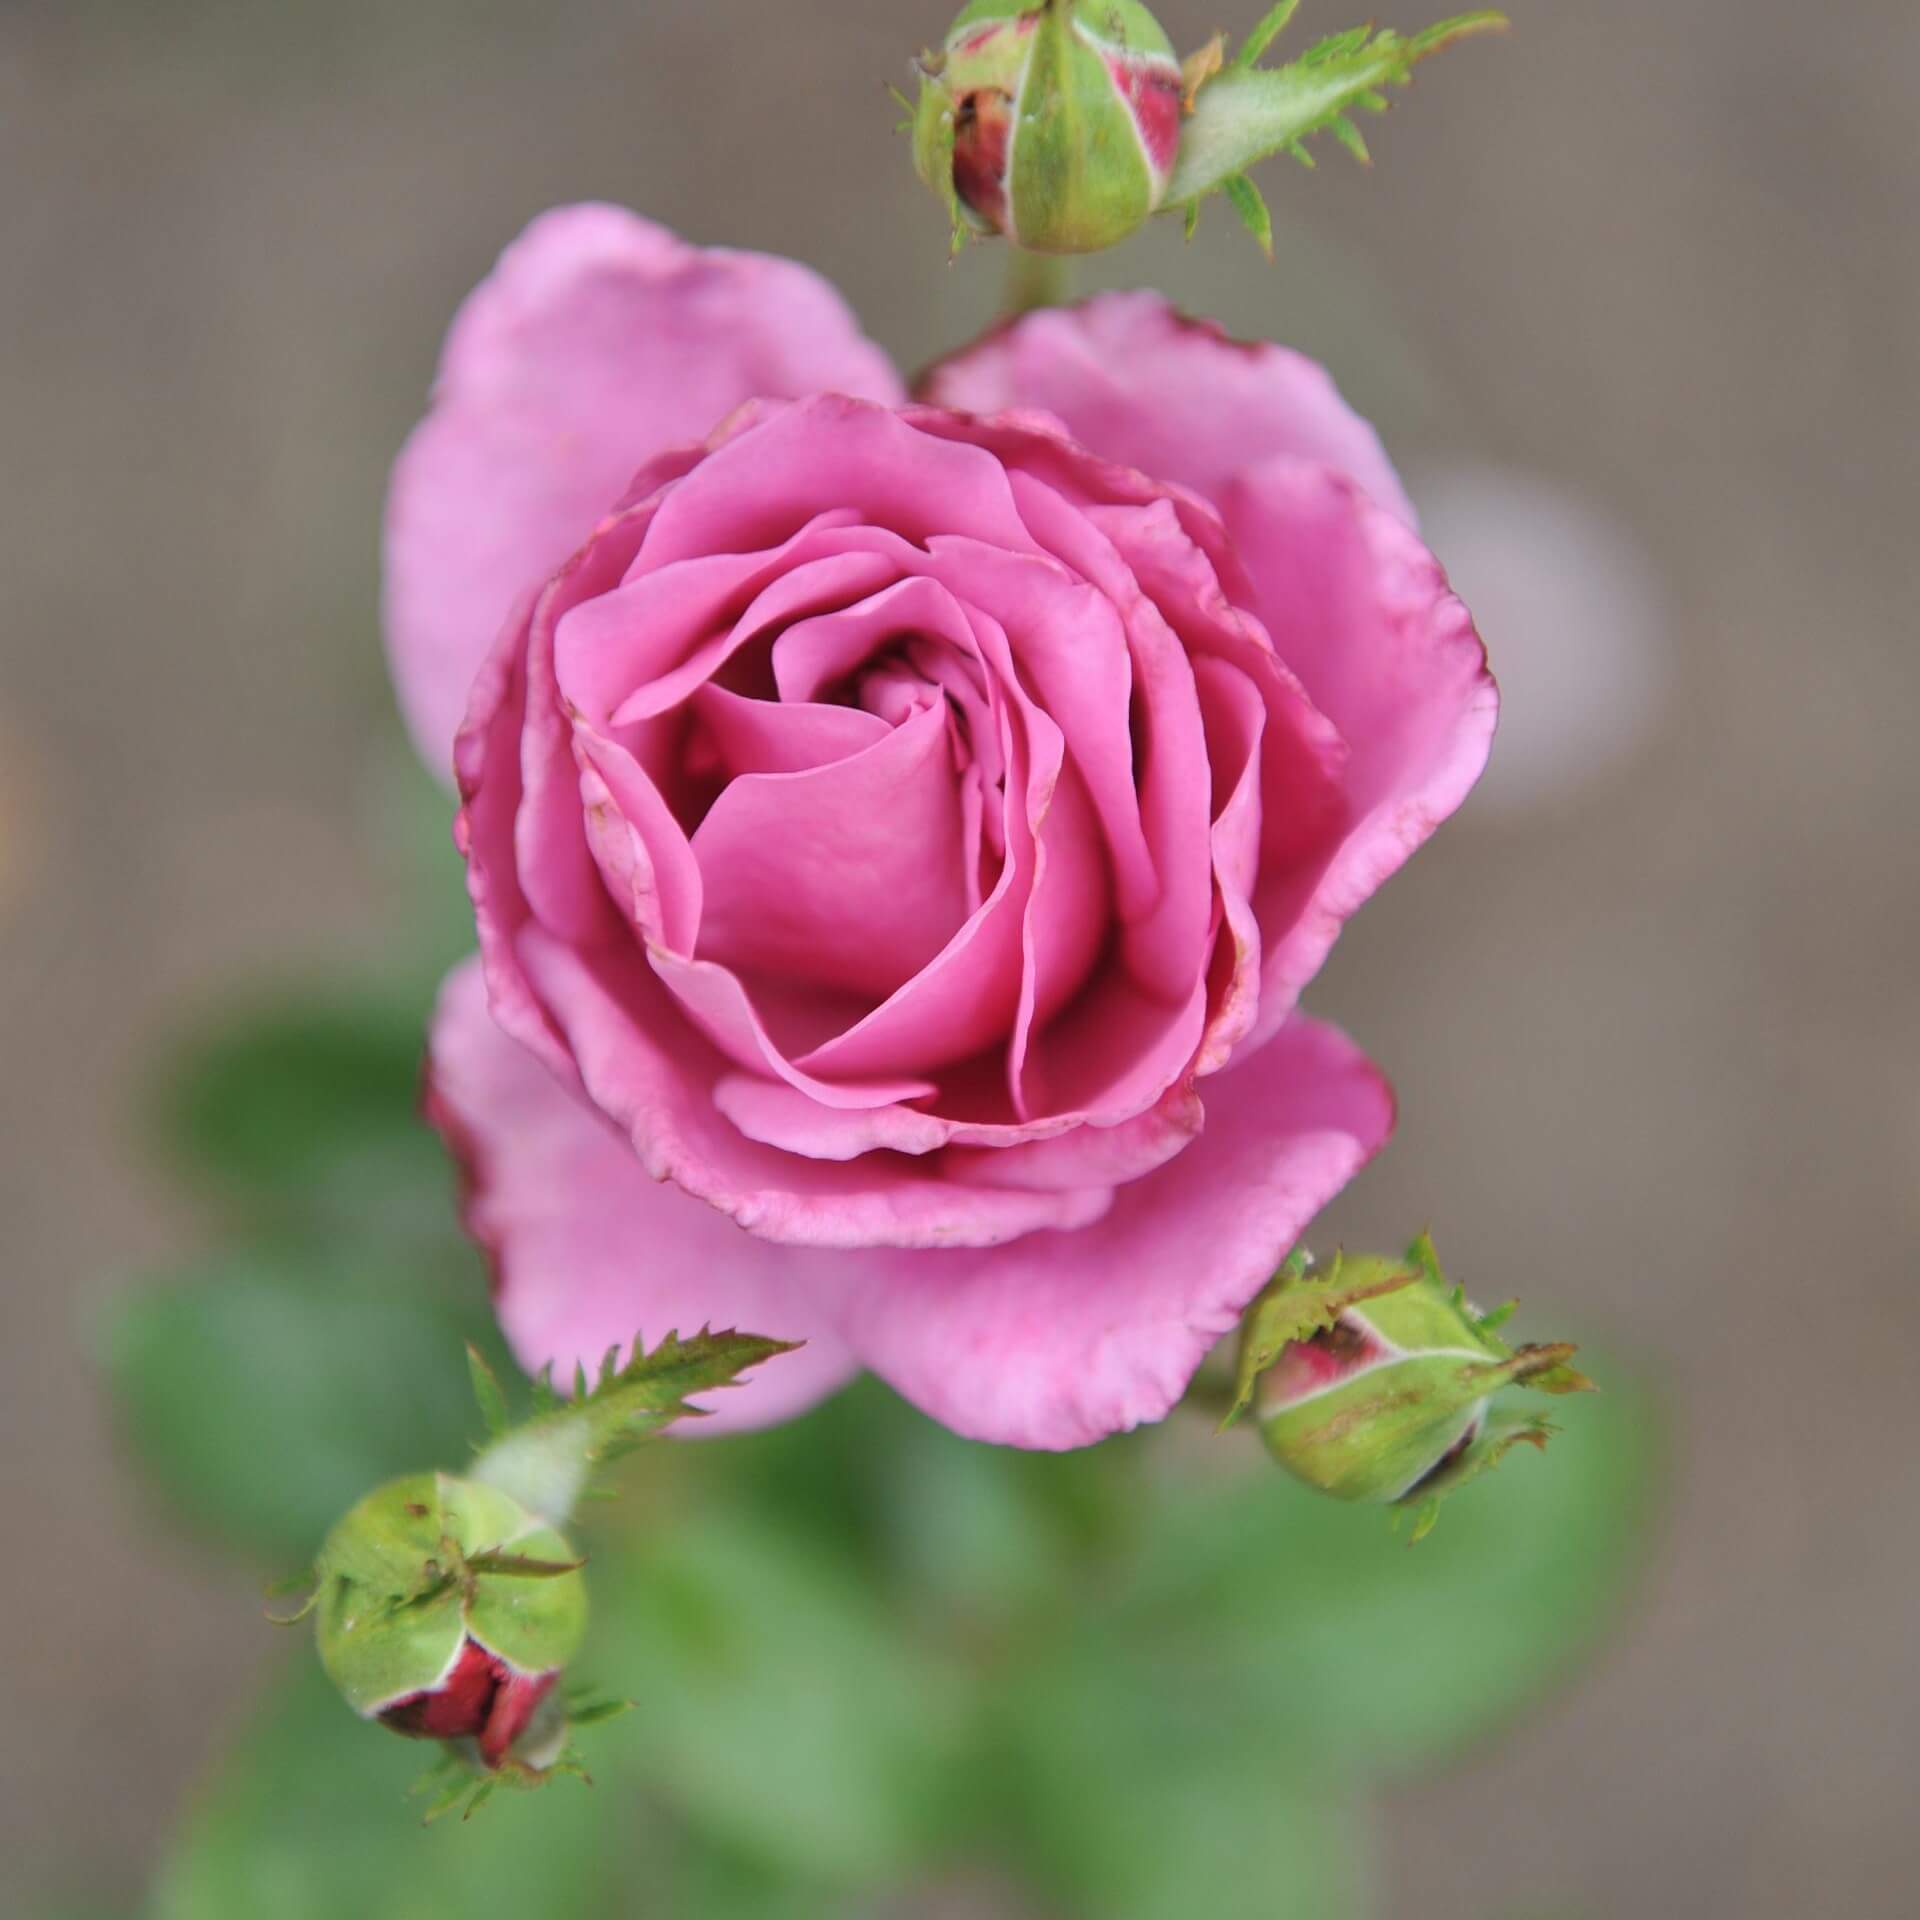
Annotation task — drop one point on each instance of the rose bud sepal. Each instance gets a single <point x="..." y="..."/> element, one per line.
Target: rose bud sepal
<point x="1053" y="122"/>
<point x="1238" y="112"/>
<point x="446" y="1610"/>
<point x="1383" y="1388"/>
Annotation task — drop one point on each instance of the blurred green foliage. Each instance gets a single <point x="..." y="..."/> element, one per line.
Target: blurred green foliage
<point x="1152" y="1681"/>
<point x="265" y="1393"/>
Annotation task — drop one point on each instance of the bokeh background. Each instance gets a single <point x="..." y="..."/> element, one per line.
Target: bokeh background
<point x="1634" y="295"/>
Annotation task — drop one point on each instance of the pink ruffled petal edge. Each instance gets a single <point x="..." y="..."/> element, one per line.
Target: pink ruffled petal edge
<point x="1052" y="1342"/>
<point x="588" y="1251"/>
<point x="1061" y="1339"/>
<point x="1137" y="381"/>
<point x="1364" y="615"/>
<point x="597" y="340"/>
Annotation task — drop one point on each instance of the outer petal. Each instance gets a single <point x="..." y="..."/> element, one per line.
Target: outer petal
<point x="1363" y="614"/>
<point x="1138" y="382"/>
<point x="1356" y="607"/>
<point x="1053" y="1342"/>
<point x="1063" y="1338"/>
<point x="597" y="340"/>
<point x="588" y="1249"/>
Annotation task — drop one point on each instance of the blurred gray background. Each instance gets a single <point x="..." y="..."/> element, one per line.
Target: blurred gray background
<point x="1634" y="294"/>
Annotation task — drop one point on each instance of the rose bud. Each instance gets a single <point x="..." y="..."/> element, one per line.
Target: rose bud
<point x="1054" y="122"/>
<point x="1391" y="1398"/>
<point x="446" y="1611"/>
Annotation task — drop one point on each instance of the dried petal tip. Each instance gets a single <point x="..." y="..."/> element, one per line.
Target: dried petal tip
<point x="1054" y="122"/>
<point x="1375" y="1380"/>
<point x="446" y="1611"/>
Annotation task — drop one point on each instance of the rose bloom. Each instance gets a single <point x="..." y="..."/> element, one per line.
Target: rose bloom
<point x="899" y="833"/>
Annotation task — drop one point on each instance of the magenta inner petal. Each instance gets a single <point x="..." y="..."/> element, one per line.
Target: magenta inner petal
<point x="721" y="1007"/>
<point x="555" y="866"/>
<point x="777" y="1115"/>
<point x="829" y="580"/>
<point x="831" y="452"/>
<point x="641" y="849"/>
<point x="847" y="876"/>
<point x="1072" y="651"/>
<point x="1115" y="1051"/>
<point x="812" y="655"/>
<point x="649" y="625"/>
<point x="1068" y="913"/>
<point x="964" y="1000"/>
<point x="1236" y="724"/>
<point x="774" y="736"/>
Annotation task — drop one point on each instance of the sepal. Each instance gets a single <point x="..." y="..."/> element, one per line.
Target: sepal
<point x="1300" y="1301"/>
<point x="1245" y="112"/>
<point x="547" y="1461"/>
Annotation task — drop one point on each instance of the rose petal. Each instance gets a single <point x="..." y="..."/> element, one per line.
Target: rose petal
<point x="788" y="463"/>
<point x="646" y="1067"/>
<point x="663" y="632"/>
<point x="598" y="339"/>
<point x="1054" y="1342"/>
<point x="783" y="736"/>
<point x="1363" y="614"/>
<point x="1236" y="725"/>
<point x="1139" y="382"/>
<point x="589" y="1251"/>
<point x="845" y="876"/>
<point x="1072" y="649"/>
<point x="1061" y="1339"/>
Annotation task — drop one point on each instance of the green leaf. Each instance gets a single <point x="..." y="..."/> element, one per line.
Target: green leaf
<point x="264" y="1395"/>
<point x="303" y="1117"/>
<point x="713" y="1882"/>
<point x="1249" y="112"/>
<point x="1311" y="1630"/>
<point x="308" y="1818"/>
<point x="783" y="1710"/>
<point x="1126" y="1803"/>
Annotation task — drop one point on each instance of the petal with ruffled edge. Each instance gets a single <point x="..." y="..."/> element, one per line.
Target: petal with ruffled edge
<point x="588" y="1250"/>
<point x="1060" y="1339"/>
<point x="1137" y="381"/>
<point x="1053" y="1342"/>
<point x="597" y="340"/>
<point x="1363" y="614"/>
<point x="1324" y="554"/>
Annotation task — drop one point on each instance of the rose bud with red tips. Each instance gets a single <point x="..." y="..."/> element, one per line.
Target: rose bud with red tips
<point x="1054" y="122"/>
<point x="446" y="1611"/>
<point x="1375" y="1380"/>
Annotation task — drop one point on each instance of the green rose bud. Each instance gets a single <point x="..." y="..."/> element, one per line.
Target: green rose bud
<point x="1054" y="122"/>
<point x="1375" y="1380"/>
<point x="446" y="1611"/>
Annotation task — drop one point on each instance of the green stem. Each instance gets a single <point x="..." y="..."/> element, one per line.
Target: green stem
<point x="1034" y="280"/>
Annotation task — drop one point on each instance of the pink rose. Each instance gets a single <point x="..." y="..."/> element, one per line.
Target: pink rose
<point x="904" y="832"/>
